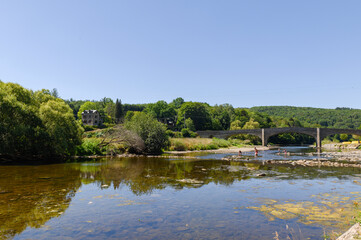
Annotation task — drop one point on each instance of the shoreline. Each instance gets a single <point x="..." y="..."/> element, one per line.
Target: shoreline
<point x="223" y="150"/>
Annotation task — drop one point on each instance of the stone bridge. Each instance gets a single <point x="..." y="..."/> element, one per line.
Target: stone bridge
<point x="265" y="133"/>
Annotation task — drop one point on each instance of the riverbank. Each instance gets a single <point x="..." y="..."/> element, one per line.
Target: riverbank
<point x="223" y="150"/>
<point x="340" y="146"/>
<point x="344" y="158"/>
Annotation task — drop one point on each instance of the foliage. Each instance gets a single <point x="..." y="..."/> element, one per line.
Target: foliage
<point x="251" y="124"/>
<point x="189" y="124"/>
<point x="134" y="107"/>
<point x="118" y="113"/>
<point x="89" y="106"/>
<point x="198" y="112"/>
<point x="236" y="125"/>
<point x="311" y="117"/>
<point x="174" y="134"/>
<point x="89" y="146"/>
<point x="186" y="132"/>
<point x="150" y="130"/>
<point x="184" y="144"/>
<point x="60" y="125"/>
<point x="292" y="138"/>
<point x="221" y="116"/>
<point x="35" y="123"/>
<point x="177" y="103"/>
<point x="75" y="105"/>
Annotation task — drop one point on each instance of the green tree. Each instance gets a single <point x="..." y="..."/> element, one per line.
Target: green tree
<point x="177" y="103"/>
<point x="161" y="110"/>
<point x="198" y="112"/>
<point x="190" y="125"/>
<point x="64" y="132"/>
<point x="236" y="125"/>
<point x="35" y="123"/>
<point x="251" y="124"/>
<point x="110" y="112"/>
<point x="221" y="116"/>
<point x="242" y="115"/>
<point x="344" y="137"/>
<point x="150" y="130"/>
<point x="118" y="110"/>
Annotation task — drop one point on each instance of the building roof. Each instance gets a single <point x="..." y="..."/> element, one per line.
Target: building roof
<point x="89" y="111"/>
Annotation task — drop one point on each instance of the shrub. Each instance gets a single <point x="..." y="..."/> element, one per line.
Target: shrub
<point x="90" y="146"/>
<point x="187" y="133"/>
<point x="90" y="128"/>
<point x="170" y="133"/>
<point x="150" y="130"/>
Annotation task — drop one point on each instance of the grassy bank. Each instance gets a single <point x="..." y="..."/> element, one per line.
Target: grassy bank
<point x="191" y="144"/>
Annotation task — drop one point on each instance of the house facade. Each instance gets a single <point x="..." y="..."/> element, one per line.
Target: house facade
<point x="91" y="117"/>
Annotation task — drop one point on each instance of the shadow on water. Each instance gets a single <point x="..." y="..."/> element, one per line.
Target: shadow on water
<point x="157" y="198"/>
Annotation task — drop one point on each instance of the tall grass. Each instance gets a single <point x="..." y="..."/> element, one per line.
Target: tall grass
<point x="191" y="144"/>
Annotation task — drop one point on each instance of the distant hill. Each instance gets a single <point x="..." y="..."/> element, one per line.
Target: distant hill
<point x="312" y="117"/>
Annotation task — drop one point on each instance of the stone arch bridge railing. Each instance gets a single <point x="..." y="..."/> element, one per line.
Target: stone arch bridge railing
<point x="265" y="133"/>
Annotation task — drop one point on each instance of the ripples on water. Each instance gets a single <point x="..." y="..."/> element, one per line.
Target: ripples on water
<point x="156" y="198"/>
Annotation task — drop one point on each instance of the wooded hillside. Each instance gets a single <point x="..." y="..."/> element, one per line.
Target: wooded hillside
<point x="312" y="117"/>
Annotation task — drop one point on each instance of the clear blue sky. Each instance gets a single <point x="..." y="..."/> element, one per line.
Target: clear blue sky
<point x="246" y="53"/>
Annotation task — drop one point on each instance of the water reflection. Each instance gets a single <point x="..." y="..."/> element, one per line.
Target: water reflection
<point x="160" y="198"/>
<point x="30" y="196"/>
<point x="143" y="175"/>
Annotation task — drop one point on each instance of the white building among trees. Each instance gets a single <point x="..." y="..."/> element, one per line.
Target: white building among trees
<point x="91" y="117"/>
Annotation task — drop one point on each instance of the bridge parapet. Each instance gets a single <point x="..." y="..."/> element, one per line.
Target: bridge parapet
<point x="265" y="133"/>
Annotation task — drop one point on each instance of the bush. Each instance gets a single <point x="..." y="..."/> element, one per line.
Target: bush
<point x="186" y="132"/>
<point x="150" y="130"/>
<point x="90" y="146"/>
<point x="89" y="128"/>
<point x="170" y="133"/>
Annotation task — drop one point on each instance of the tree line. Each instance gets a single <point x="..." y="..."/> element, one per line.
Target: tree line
<point x="343" y="118"/>
<point x="40" y="123"/>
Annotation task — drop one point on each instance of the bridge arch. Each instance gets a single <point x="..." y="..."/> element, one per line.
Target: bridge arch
<point x="276" y="131"/>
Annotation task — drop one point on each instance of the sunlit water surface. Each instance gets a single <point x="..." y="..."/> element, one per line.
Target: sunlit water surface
<point x="160" y="198"/>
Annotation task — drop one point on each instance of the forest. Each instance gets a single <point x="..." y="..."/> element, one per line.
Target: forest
<point x="316" y="117"/>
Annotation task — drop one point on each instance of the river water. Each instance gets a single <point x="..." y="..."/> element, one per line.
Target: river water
<point x="178" y="198"/>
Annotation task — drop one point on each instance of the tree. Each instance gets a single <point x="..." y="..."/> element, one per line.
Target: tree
<point x="177" y="103"/>
<point x="54" y="93"/>
<point x="251" y="124"/>
<point x="35" y="123"/>
<point x="150" y="130"/>
<point x="236" y="125"/>
<point x="118" y="110"/>
<point x="161" y="110"/>
<point x="221" y="116"/>
<point x="64" y="132"/>
<point x="198" y="112"/>
<point x="190" y="125"/>
<point x="110" y="111"/>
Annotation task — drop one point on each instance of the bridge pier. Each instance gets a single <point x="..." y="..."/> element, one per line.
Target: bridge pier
<point x="318" y="139"/>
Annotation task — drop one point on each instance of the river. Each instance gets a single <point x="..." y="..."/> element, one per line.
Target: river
<point x="202" y="197"/>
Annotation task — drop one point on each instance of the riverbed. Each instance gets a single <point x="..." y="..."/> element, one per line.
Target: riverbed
<point x="199" y="197"/>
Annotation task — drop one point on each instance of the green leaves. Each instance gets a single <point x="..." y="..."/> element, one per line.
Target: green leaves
<point x="35" y="123"/>
<point x="150" y="130"/>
